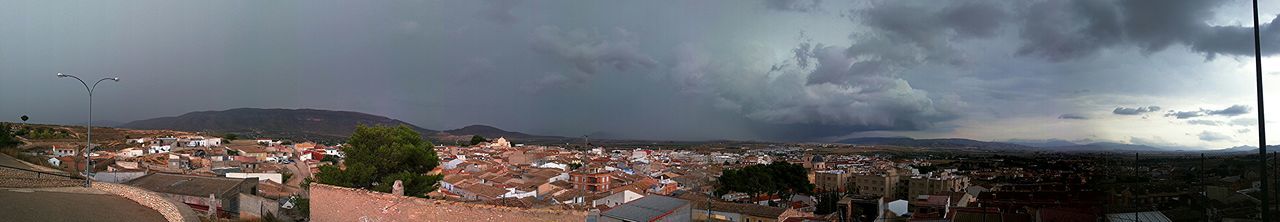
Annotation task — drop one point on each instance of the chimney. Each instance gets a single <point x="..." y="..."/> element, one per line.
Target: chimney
<point x="397" y="188"/>
<point x="213" y="206"/>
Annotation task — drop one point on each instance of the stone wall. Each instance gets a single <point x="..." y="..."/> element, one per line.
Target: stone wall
<point x="171" y="210"/>
<point x="252" y="206"/>
<point x="13" y="178"/>
<point x="331" y="203"/>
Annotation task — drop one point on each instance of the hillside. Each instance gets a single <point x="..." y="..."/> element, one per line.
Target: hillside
<point x="486" y="131"/>
<point x="295" y="124"/>
<point x="465" y="133"/>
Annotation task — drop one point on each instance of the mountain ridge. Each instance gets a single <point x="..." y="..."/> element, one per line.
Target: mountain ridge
<point x="306" y="124"/>
<point x="296" y="124"/>
<point x="1054" y="145"/>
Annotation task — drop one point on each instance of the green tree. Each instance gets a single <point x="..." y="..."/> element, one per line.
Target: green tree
<point x="780" y="178"/>
<point x="378" y="156"/>
<point x="6" y="136"/>
<point x="826" y="203"/>
<point x="477" y="139"/>
<point x="231" y="137"/>
<point x="330" y="158"/>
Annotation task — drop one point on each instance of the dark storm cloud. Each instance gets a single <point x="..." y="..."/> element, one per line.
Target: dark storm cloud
<point x="1234" y="110"/>
<point x="793" y="5"/>
<point x="499" y="11"/>
<point x="1073" y="116"/>
<point x="1213" y="136"/>
<point x="859" y="85"/>
<point x="1204" y="122"/>
<point x="857" y="97"/>
<point x="661" y="68"/>
<point x="1061" y="30"/>
<point x="1244" y="122"/>
<point x="925" y="31"/>
<point x="1135" y="110"/>
<point x="1184" y="114"/>
<point x="588" y="52"/>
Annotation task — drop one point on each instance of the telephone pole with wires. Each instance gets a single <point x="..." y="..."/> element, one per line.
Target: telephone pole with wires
<point x="1262" y="121"/>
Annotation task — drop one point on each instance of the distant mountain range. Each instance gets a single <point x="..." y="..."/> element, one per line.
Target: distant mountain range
<point x="1027" y="145"/>
<point x="1043" y="143"/>
<point x="935" y="143"/>
<point x="486" y="131"/>
<point x="306" y="124"/>
<point x="494" y="132"/>
<point x="327" y="125"/>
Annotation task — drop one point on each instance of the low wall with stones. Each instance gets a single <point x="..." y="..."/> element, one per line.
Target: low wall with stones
<point x="171" y="210"/>
<point x="331" y="203"/>
<point x="12" y="178"/>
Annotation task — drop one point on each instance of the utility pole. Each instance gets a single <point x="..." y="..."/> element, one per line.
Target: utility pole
<point x="1262" y="120"/>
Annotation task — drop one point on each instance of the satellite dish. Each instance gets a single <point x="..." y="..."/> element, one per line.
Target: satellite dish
<point x="25" y="118"/>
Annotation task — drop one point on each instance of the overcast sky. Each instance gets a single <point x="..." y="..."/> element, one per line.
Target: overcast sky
<point x="1151" y="72"/>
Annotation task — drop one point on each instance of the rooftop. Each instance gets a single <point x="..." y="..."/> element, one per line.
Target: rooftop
<point x="189" y="185"/>
<point x="646" y="208"/>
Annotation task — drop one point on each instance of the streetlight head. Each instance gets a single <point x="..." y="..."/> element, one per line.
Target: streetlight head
<point x="115" y="79"/>
<point x="60" y="75"/>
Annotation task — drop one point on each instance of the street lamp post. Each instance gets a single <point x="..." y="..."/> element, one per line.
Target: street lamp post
<point x="88" y="147"/>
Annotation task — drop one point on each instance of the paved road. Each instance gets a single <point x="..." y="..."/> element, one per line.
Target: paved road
<point x="37" y="205"/>
<point x="299" y="168"/>
<point x="9" y="161"/>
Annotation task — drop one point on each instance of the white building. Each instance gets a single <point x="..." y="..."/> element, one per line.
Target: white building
<point x="514" y="193"/>
<point x="454" y="163"/>
<point x="130" y="152"/>
<point x="334" y="151"/>
<point x="276" y="177"/>
<point x="63" y="151"/>
<point x="500" y="142"/>
<point x="159" y="149"/>
<point x="268" y="142"/>
<point x="617" y="199"/>
<point x="554" y="165"/>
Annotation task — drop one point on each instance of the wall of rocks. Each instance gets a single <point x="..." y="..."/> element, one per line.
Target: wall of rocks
<point x="171" y="210"/>
<point x="12" y="178"/>
<point x="332" y="203"/>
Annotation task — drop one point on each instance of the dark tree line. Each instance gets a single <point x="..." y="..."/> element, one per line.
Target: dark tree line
<point x="6" y="136"/>
<point x="378" y="156"/>
<point x="778" y="178"/>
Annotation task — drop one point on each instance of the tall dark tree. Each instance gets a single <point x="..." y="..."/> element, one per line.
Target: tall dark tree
<point x="826" y="203"/>
<point x="6" y="136"/>
<point x="779" y="178"/>
<point x="378" y="156"/>
<point x="477" y="139"/>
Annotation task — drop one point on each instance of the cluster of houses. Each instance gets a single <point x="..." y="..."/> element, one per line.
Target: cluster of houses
<point x="629" y="184"/>
<point x="187" y="168"/>
<point x="600" y="180"/>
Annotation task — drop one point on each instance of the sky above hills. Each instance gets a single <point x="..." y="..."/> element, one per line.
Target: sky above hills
<point x="1150" y="72"/>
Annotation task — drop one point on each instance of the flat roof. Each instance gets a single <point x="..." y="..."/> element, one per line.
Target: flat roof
<point x="646" y="208"/>
<point x="188" y="185"/>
